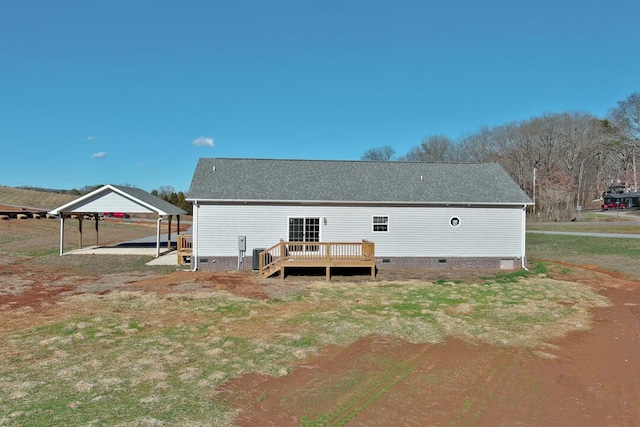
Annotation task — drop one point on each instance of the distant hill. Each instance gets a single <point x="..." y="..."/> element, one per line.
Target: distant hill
<point x="35" y="199"/>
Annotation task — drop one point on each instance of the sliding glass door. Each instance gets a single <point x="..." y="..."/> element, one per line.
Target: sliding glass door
<point x="304" y="230"/>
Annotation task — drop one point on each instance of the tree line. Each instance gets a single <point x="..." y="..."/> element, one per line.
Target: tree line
<point x="562" y="161"/>
<point x="168" y="194"/>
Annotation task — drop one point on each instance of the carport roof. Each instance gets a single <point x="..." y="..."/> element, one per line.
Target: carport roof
<point x="118" y="198"/>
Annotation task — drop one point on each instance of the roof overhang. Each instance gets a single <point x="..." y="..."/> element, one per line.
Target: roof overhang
<point x="353" y="203"/>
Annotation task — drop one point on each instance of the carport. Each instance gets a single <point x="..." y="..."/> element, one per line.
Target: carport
<point x="117" y="198"/>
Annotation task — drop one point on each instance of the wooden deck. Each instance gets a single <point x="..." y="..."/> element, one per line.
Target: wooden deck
<point x="285" y="255"/>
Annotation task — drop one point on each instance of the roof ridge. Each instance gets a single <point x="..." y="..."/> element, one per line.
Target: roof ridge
<point x="347" y="161"/>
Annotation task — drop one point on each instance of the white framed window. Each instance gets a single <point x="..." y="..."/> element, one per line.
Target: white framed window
<point x="380" y="223"/>
<point x="454" y="221"/>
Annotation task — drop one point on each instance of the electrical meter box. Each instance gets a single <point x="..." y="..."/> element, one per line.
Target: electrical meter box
<point x="242" y="243"/>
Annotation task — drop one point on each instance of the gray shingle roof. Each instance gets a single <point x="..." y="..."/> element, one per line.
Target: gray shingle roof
<point x="156" y="203"/>
<point x="223" y="179"/>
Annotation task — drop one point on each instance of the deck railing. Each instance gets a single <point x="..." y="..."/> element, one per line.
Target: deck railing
<point x="317" y="254"/>
<point x="185" y="247"/>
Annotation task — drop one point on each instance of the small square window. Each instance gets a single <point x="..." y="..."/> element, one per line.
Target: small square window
<point x="380" y="223"/>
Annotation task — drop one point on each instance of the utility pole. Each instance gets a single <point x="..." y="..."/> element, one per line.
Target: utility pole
<point x="635" y="175"/>
<point x="534" y="190"/>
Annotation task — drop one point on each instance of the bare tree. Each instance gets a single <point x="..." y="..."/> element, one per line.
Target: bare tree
<point x="478" y="147"/>
<point x="435" y="148"/>
<point x="384" y="153"/>
<point x="165" y="192"/>
<point x="625" y="119"/>
<point x="565" y="153"/>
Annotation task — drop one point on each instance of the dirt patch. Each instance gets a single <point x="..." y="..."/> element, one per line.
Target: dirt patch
<point x="39" y="286"/>
<point x="33" y="288"/>
<point x="587" y="378"/>
<point x="592" y="275"/>
<point x="187" y="281"/>
<point x="36" y="297"/>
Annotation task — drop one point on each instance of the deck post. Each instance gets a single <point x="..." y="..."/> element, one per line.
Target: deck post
<point x="283" y="248"/>
<point x="328" y="261"/>
<point x="371" y="249"/>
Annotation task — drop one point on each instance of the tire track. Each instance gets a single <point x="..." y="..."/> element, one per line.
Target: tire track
<point x="488" y="387"/>
<point x="366" y="396"/>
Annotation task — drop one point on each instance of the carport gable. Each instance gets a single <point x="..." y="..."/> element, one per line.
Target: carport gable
<point x="114" y="198"/>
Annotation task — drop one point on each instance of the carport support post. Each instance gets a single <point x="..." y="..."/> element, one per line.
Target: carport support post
<point x="61" y="233"/>
<point x="80" y="230"/>
<point x="169" y="231"/>
<point x="158" y="237"/>
<point x="96" y="218"/>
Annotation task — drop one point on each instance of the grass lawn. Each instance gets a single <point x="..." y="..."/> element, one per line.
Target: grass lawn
<point x="620" y="255"/>
<point x="138" y="358"/>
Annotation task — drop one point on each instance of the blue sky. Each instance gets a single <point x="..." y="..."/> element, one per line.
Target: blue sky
<point x="134" y="92"/>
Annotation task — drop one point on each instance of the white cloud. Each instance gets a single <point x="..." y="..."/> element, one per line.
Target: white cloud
<point x="91" y="138"/>
<point x="99" y="155"/>
<point x="203" y="141"/>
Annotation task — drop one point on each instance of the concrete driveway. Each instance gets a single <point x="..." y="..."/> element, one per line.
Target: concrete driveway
<point x="144" y="246"/>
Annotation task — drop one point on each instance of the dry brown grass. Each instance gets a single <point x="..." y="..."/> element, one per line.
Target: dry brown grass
<point x="43" y="200"/>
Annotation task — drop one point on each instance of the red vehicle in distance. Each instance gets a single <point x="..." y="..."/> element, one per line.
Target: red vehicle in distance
<point x="117" y="215"/>
<point x="614" y="205"/>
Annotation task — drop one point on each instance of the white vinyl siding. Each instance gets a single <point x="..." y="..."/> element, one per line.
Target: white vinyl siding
<point x="113" y="202"/>
<point x="416" y="231"/>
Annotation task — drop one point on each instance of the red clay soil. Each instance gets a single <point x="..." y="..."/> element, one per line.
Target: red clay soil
<point x="38" y="292"/>
<point x="37" y="296"/>
<point x="586" y="379"/>
<point x="33" y="287"/>
<point x="236" y="283"/>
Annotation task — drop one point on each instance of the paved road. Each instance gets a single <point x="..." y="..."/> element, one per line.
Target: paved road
<point x="579" y="233"/>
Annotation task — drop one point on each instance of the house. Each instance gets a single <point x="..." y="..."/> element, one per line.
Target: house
<point x="416" y="214"/>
